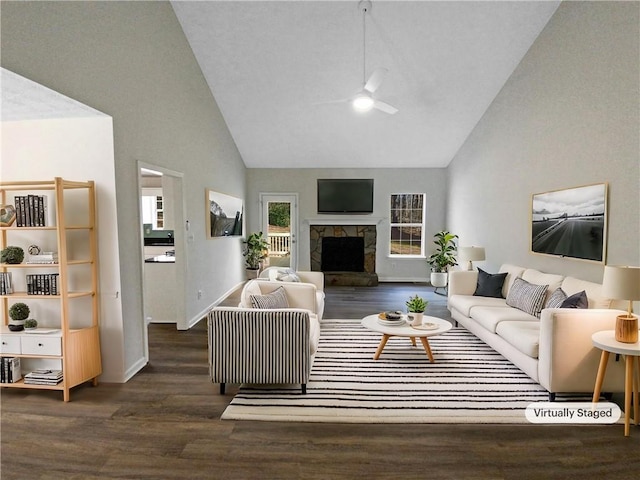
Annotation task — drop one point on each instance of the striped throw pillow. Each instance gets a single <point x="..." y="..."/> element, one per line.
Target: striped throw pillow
<point x="275" y="299"/>
<point x="555" y="299"/>
<point x="526" y="296"/>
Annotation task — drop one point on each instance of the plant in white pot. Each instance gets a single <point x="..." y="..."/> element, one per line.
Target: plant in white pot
<point x="416" y="307"/>
<point x="256" y="250"/>
<point x="443" y="258"/>
<point x="18" y="312"/>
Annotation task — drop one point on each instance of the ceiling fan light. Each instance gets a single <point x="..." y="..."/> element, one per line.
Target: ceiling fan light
<point x="362" y="103"/>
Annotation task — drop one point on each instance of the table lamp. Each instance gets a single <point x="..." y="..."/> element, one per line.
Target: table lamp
<point x="470" y="255"/>
<point x="623" y="283"/>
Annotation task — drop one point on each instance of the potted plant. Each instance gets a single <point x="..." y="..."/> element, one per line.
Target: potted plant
<point x="416" y="307"/>
<point x="12" y="255"/>
<point x="30" y="324"/>
<point x="18" y="312"/>
<point x="443" y="258"/>
<point x="255" y="251"/>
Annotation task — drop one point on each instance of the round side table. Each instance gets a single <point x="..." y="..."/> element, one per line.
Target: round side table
<point x="606" y="341"/>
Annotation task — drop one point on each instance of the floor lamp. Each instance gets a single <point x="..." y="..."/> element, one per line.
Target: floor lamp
<point x="470" y="255"/>
<point x="623" y="283"/>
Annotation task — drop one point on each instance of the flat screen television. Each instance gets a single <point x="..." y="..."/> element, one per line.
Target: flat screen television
<point x="345" y="195"/>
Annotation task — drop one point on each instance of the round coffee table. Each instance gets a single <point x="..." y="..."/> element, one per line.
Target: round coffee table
<point x="370" y="322"/>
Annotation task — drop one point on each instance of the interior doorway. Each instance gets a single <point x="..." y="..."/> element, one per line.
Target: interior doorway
<point x="280" y="227"/>
<point x="163" y="247"/>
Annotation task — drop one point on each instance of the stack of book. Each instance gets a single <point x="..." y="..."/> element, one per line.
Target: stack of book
<point x="10" y="369"/>
<point x="6" y="286"/>
<point x="31" y="211"/>
<point x="43" y="377"/>
<point x="42" y="284"/>
<point x="44" y="258"/>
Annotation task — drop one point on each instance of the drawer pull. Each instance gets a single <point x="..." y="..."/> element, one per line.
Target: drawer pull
<point x="40" y="345"/>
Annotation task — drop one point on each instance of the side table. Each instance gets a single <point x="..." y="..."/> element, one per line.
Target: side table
<point x="606" y="341"/>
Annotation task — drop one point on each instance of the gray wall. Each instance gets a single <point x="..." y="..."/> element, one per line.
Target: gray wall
<point x="386" y="181"/>
<point x="132" y="61"/>
<point x="567" y="117"/>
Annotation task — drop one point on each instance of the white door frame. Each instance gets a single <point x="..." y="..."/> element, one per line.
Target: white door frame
<point x="291" y="198"/>
<point x="178" y="210"/>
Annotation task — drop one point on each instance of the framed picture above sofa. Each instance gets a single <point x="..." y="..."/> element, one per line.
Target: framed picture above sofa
<point x="571" y="222"/>
<point x="223" y="214"/>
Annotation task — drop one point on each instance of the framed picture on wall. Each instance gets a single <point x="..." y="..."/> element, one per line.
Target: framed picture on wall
<point x="223" y="214"/>
<point x="571" y="222"/>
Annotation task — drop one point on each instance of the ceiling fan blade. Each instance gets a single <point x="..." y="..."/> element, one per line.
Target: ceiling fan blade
<point x="385" y="107"/>
<point x="343" y="100"/>
<point x="375" y="79"/>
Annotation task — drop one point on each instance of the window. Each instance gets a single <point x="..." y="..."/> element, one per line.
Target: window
<point x="407" y="224"/>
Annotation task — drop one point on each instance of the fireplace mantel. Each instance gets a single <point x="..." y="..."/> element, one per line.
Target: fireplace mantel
<point x="343" y="220"/>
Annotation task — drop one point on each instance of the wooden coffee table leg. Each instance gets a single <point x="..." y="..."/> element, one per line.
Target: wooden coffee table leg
<point x="425" y="344"/>
<point x="383" y="342"/>
<point x="413" y="341"/>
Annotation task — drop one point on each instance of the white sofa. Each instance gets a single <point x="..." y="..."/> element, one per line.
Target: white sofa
<point x="555" y="350"/>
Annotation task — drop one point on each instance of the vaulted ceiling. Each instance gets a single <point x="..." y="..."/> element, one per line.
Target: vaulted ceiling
<point x="274" y="67"/>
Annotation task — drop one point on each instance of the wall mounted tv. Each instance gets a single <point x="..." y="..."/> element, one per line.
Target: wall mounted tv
<point x="345" y="195"/>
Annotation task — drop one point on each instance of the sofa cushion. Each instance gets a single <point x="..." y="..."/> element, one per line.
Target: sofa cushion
<point x="524" y="336"/>
<point x="577" y="300"/>
<point x="275" y="299"/>
<point x="537" y="277"/>
<point x="489" y="285"/>
<point x="595" y="296"/>
<point x="491" y="317"/>
<point x="555" y="299"/>
<point x="513" y="272"/>
<point x="464" y="303"/>
<point x="526" y="296"/>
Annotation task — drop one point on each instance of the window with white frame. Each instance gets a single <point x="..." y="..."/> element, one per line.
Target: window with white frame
<point x="407" y="224"/>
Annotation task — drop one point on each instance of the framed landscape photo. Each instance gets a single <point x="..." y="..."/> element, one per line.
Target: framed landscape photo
<point x="223" y="214"/>
<point x="571" y="222"/>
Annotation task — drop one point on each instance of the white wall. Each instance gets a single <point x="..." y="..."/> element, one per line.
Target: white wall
<point x="132" y="61"/>
<point x="386" y="181"/>
<point x="567" y="117"/>
<point x="77" y="149"/>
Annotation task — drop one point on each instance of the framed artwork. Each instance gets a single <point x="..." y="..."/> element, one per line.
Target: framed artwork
<point x="571" y="222"/>
<point x="223" y="214"/>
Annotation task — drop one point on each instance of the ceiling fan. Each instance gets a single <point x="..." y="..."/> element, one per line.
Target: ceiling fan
<point x="364" y="101"/>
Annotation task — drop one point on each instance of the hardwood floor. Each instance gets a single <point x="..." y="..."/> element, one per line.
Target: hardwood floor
<point x="164" y="424"/>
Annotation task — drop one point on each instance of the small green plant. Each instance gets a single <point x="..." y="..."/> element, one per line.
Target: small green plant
<point x="19" y="311"/>
<point x="31" y="323"/>
<point x="12" y="255"/>
<point x="445" y="255"/>
<point x="416" y="304"/>
<point x="256" y="250"/>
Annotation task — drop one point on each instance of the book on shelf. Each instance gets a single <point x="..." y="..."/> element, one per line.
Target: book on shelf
<point x="31" y="210"/>
<point x="10" y="370"/>
<point x="6" y="283"/>
<point x="43" y="377"/>
<point x="42" y="283"/>
<point x="43" y="258"/>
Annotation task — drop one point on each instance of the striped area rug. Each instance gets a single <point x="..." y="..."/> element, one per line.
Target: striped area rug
<point x="469" y="383"/>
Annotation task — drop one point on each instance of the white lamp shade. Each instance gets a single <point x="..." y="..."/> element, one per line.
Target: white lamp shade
<point x="622" y="283"/>
<point x="471" y="254"/>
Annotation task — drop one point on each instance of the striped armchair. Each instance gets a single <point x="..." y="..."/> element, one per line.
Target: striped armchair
<point x="259" y="346"/>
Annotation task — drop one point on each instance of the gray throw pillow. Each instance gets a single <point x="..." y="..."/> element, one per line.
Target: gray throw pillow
<point x="287" y="275"/>
<point x="526" y="296"/>
<point x="555" y="299"/>
<point x="275" y="299"/>
<point x="489" y="285"/>
<point x="577" y="300"/>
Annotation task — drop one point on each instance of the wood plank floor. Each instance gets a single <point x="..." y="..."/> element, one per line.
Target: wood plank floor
<point x="164" y="424"/>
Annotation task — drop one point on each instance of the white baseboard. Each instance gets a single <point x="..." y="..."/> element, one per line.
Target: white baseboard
<point x="404" y="280"/>
<point x="133" y="369"/>
<point x="199" y="316"/>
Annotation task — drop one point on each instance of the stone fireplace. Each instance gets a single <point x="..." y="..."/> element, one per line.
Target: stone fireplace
<point x="345" y="253"/>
